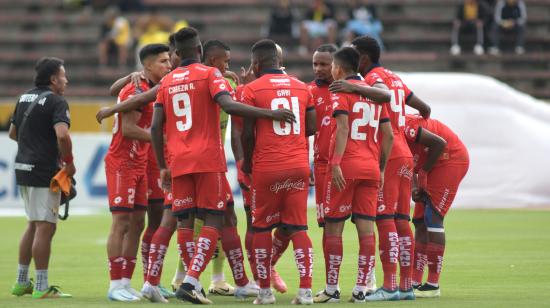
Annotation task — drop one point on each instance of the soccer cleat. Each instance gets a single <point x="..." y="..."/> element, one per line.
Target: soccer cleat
<point x="51" y="292"/>
<point x="357" y="297"/>
<point x="407" y="295"/>
<point x="186" y="292"/>
<point x="324" y="297"/>
<point x="20" y="289"/>
<point x="251" y="289"/>
<point x="304" y="297"/>
<point x="120" y="294"/>
<point x="427" y="291"/>
<point x="133" y="291"/>
<point x="383" y="295"/>
<point x="165" y="292"/>
<point x="152" y="293"/>
<point x="371" y="283"/>
<point x="221" y="288"/>
<point x="265" y="297"/>
<point x="277" y="282"/>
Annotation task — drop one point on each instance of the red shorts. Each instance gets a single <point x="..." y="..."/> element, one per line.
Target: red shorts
<point x="443" y="182"/>
<point x="395" y="199"/>
<point x="358" y="199"/>
<point x="202" y="192"/>
<point x="320" y="171"/>
<point x="155" y="195"/>
<point x="280" y="198"/>
<point x="126" y="190"/>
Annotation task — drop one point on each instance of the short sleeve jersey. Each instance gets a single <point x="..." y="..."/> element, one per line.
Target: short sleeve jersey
<point x="37" y="158"/>
<point x="362" y="155"/>
<point x="323" y="108"/>
<point x="400" y="94"/>
<point x="455" y="152"/>
<point x="279" y="145"/>
<point x="126" y="152"/>
<point x="192" y="118"/>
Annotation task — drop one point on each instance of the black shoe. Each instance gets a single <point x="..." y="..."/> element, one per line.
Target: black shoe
<point x="427" y="287"/>
<point x="416" y="286"/>
<point x="186" y="292"/>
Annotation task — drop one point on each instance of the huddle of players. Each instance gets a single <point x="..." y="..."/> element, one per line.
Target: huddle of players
<point x="364" y="169"/>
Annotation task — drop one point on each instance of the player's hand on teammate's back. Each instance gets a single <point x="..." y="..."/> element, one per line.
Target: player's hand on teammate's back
<point x="247" y="75"/>
<point x="338" y="178"/>
<point x="282" y="114"/>
<point x="341" y="86"/>
<point x="166" y="179"/>
<point x="103" y="113"/>
<point x="136" y="78"/>
<point x="70" y="169"/>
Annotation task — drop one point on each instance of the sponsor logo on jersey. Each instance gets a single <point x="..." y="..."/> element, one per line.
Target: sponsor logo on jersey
<point x="183" y="202"/>
<point x="288" y="185"/>
<point x="345" y="208"/>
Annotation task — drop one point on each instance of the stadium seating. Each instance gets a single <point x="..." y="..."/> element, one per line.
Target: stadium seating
<point x="417" y="35"/>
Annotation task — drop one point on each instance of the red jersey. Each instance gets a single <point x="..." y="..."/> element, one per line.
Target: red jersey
<point x="455" y="152"/>
<point x="400" y="94"/>
<point x="238" y="121"/>
<point x="362" y="155"/>
<point x="279" y="145"/>
<point x="192" y="124"/>
<point x="323" y="109"/>
<point x="126" y="152"/>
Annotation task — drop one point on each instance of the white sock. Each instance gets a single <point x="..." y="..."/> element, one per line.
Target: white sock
<point x="302" y="291"/>
<point x="41" y="280"/>
<point x="218" y="277"/>
<point x="358" y="289"/>
<point x="331" y="288"/>
<point x="125" y="282"/>
<point x="113" y="284"/>
<point x="180" y="276"/>
<point x="23" y="274"/>
<point x="193" y="281"/>
<point x="436" y="285"/>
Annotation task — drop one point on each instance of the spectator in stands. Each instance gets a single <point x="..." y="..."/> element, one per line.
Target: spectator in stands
<point x="469" y="18"/>
<point x="318" y="25"/>
<point x="510" y="17"/>
<point x="362" y="20"/>
<point x="152" y="28"/>
<point x="115" y="37"/>
<point x="281" y="21"/>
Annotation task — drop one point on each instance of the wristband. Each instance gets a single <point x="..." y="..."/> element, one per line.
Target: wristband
<point x="68" y="159"/>
<point x="336" y="159"/>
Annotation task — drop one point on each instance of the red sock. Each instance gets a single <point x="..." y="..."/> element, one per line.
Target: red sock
<point x="145" y="246"/>
<point x="128" y="267"/>
<point x="334" y="254"/>
<point x="389" y="251"/>
<point x="186" y="245"/>
<point x="406" y="249"/>
<point x="303" y="254"/>
<point x="231" y="243"/>
<point x="115" y="267"/>
<point x="261" y="249"/>
<point x="280" y="243"/>
<point x="435" y="262"/>
<point x="248" y="246"/>
<point x="204" y="250"/>
<point x="366" y="259"/>
<point x="159" y="245"/>
<point x="420" y="261"/>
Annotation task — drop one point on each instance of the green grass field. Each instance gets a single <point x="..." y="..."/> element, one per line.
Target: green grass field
<point x="494" y="258"/>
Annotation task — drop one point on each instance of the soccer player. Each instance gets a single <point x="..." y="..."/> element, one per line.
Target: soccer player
<point x="358" y="161"/>
<point x="393" y="212"/>
<point x="40" y="126"/>
<point x="441" y="162"/>
<point x="187" y="110"/>
<point x="125" y="167"/>
<point x="280" y="168"/>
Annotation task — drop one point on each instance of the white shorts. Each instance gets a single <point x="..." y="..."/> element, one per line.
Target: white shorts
<point x="41" y="204"/>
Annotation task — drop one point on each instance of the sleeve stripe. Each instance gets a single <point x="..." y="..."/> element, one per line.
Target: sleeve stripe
<point x="409" y="97"/>
<point x="159" y="105"/>
<point x="418" y="134"/>
<point x="337" y="112"/>
<point x="220" y="94"/>
<point x="384" y="120"/>
<point x="310" y="108"/>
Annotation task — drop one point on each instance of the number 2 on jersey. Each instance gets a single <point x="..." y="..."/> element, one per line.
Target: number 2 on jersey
<point x="370" y="115"/>
<point x="182" y="111"/>
<point x="284" y="128"/>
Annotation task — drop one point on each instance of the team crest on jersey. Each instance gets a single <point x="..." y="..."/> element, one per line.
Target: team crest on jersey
<point x="117" y="200"/>
<point x="412" y="132"/>
<point x="220" y="204"/>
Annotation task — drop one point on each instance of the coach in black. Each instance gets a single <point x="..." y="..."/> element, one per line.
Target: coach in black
<point x="40" y="126"/>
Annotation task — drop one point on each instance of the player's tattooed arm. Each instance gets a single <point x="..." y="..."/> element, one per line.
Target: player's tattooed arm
<point x="435" y="144"/>
<point x="131" y="130"/>
<point x="134" y="77"/>
<point x="386" y="145"/>
<point x="378" y="92"/>
<point x="248" y="142"/>
<point x="311" y="122"/>
<point x="132" y="103"/>
<point x="342" y="133"/>
<point x="233" y="108"/>
<point x="415" y="102"/>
